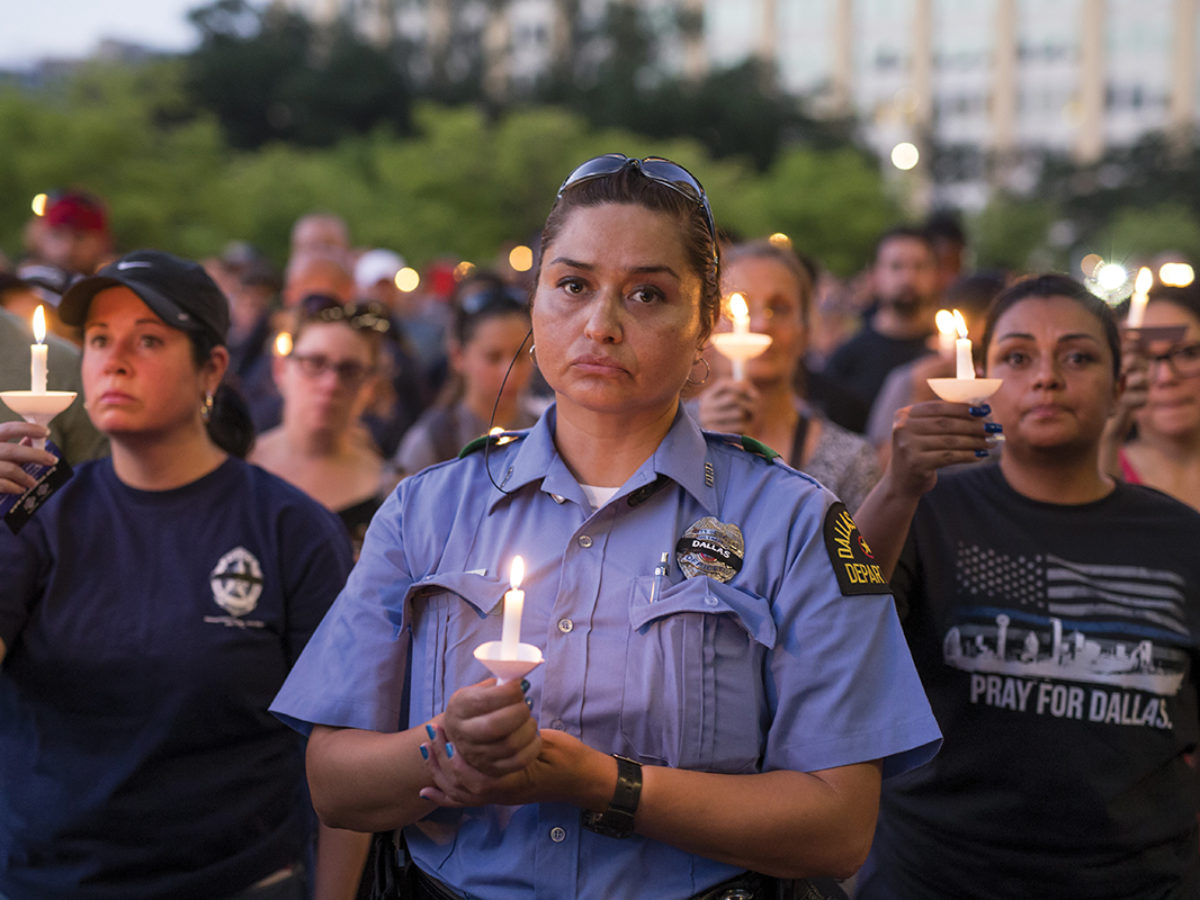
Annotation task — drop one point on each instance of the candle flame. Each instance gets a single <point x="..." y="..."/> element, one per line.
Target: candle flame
<point x="39" y="324"/>
<point x="737" y="307"/>
<point x="516" y="572"/>
<point x="944" y="321"/>
<point x="960" y="324"/>
<point x="1145" y="280"/>
<point x="283" y="344"/>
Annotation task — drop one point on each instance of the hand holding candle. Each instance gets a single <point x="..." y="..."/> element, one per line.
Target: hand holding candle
<point x="514" y="604"/>
<point x="38" y="351"/>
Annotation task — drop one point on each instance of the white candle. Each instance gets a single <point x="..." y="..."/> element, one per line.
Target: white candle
<point x="964" y="366"/>
<point x="37" y="363"/>
<point x="946" y="332"/>
<point x="1141" y="297"/>
<point x="740" y="313"/>
<point x="514" y="604"/>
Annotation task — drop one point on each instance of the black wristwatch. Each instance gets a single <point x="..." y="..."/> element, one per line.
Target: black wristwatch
<point x="617" y="820"/>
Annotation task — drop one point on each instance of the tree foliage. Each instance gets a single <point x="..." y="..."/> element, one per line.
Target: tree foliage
<point x="274" y="76"/>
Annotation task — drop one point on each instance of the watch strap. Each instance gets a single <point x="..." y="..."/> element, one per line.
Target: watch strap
<point x="617" y="820"/>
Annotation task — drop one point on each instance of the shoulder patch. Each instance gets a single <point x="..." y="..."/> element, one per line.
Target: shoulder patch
<point x="852" y="560"/>
<point x="496" y="440"/>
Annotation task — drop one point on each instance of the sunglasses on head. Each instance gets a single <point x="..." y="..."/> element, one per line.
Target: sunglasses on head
<point x="659" y="170"/>
<point x="492" y="298"/>
<point x="369" y="316"/>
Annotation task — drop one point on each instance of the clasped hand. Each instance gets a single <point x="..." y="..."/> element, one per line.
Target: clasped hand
<point x="487" y="749"/>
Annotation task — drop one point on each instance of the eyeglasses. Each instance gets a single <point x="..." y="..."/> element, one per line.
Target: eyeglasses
<point x="659" y="170"/>
<point x="370" y="316"/>
<point x="350" y="373"/>
<point x="1184" y="361"/>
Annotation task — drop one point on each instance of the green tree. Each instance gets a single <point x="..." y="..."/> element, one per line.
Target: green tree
<point x="274" y="76"/>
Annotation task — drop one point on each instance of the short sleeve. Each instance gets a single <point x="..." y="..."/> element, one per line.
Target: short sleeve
<point x="351" y="673"/>
<point x="844" y="686"/>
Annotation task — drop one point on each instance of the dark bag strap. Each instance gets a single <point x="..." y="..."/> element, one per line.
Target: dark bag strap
<point x="390" y="879"/>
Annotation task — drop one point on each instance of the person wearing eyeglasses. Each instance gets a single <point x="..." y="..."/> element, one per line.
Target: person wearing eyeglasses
<point x="724" y="680"/>
<point x="1162" y="401"/>
<point x="490" y="372"/>
<point x="326" y="382"/>
<point x="150" y="610"/>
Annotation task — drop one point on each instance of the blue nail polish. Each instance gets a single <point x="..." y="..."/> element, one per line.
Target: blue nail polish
<point x="449" y="750"/>
<point x="981" y="453"/>
<point x="429" y="731"/>
<point x="424" y="752"/>
<point x="525" y="686"/>
<point x="529" y="702"/>
<point x="981" y="410"/>
<point x="993" y="427"/>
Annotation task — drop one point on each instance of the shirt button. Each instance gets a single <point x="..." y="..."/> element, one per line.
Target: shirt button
<point x="585" y="541"/>
<point x="565" y="626"/>
<point x="711" y="601"/>
<point x="558" y="725"/>
<point x="558" y="834"/>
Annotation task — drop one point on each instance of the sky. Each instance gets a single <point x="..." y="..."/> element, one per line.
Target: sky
<point x="34" y="29"/>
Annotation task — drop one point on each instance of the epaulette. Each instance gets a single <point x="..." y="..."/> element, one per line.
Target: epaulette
<point x="496" y="440"/>
<point x="758" y="448"/>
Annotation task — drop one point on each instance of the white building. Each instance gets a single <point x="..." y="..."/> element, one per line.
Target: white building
<point x="991" y="79"/>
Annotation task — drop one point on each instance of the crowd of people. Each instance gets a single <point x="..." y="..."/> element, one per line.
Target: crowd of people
<point x="792" y="619"/>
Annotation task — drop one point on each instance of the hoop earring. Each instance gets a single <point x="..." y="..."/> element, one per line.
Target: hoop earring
<point x="206" y="408"/>
<point x="707" y="372"/>
<point x="532" y="355"/>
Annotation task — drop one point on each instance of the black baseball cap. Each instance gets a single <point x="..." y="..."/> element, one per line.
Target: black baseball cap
<point x="179" y="292"/>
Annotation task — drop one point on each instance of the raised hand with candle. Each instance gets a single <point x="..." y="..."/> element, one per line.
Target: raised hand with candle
<point x="686" y="714"/>
<point x="771" y="404"/>
<point x="200" y="579"/>
<point x="1039" y="570"/>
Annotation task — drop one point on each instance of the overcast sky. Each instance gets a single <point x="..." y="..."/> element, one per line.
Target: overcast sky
<point x="33" y="29"/>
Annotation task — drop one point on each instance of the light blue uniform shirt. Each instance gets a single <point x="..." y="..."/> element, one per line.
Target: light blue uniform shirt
<point x="775" y="669"/>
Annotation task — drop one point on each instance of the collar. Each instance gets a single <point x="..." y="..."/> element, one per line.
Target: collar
<point x="681" y="456"/>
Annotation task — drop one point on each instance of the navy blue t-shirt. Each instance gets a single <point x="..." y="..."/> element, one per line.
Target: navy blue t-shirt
<point x="147" y="633"/>
<point x="1058" y="645"/>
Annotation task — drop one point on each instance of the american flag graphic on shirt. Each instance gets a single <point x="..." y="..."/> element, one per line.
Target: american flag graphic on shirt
<point x="1043" y="616"/>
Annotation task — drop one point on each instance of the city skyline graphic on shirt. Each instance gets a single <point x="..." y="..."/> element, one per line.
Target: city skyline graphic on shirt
<point x="1046" y="617"/>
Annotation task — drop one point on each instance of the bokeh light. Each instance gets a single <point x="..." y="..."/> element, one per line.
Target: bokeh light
<point x="1176" y="274"/>
<point x="905" y="156"/>
<point x="1111" y="276"/>
<point x="39" y="204"/>
<point x="520" y="258"/>
<point x="1089" y="264"/>
<point x="408" y="279"/>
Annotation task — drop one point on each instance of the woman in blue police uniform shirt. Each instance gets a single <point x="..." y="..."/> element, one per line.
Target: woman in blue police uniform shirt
<point x="756" y="695"/>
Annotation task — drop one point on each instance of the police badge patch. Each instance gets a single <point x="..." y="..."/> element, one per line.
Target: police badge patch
<point x="853" y="562"/>
<point x="711" y="548"/>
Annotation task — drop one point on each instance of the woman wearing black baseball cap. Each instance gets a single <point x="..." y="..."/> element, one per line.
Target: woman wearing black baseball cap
<point x="150" y="611"/>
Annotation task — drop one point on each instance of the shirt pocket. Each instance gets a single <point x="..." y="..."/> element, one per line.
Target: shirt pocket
<point x="451" y="613"/>
<point x="694" y="689"/>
